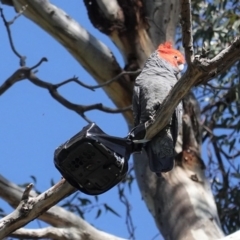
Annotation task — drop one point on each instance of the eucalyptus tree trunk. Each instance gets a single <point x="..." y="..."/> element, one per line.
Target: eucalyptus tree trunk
<point x="181" y="201"/>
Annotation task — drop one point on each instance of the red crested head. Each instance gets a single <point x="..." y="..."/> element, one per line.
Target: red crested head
<point x="173" y="56"/>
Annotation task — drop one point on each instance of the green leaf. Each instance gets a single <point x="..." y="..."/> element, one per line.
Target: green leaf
<point x="120" y="191"/>
<point x="81" y="213"/>
<point x="231" y="145"/>
<point x="52" y="182"/>
<point x="111" y="210"/>
<point x="98" y="213"/>
<point x="84" y="201"/>
<point x="236" y="175"/>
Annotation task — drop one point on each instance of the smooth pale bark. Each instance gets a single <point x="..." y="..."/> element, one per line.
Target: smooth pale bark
<point x="183" y="208"/>
<point x="163" y="18"/>
<point x="37" y="206"/>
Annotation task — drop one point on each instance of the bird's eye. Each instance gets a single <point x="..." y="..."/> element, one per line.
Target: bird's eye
<point x="175" y="57"/>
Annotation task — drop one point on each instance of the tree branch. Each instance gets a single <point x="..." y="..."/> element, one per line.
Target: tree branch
<point x="26" y="73"/>
<point x="7" y="25"/>
<point x="184" y="190"/>
<point x="30" y="208"/>
<point x="48" y="232"/>
<point x="129" y="221"/>
<point x="226" y="57"/>
<point x="37" y="205"/>
<point x="187" y="38"/>
<point x="92" y="87"/>
<point x="194" y="75"/>
<point x="225" y="100"/>
<point x="92" y="54"/>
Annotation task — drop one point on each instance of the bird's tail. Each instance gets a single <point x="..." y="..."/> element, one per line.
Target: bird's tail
<point x="160" y="151"/>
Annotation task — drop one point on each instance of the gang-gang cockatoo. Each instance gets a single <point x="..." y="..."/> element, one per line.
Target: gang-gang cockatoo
<point x="153" y="84"/>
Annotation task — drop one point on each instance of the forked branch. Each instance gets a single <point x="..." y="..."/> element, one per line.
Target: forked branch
<point x="27" y="73"/>
<point x="42" y="206"/>
<point x="201" y="71"/>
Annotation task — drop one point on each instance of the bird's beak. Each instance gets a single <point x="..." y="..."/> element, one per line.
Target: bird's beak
<point x="181" y="67"/>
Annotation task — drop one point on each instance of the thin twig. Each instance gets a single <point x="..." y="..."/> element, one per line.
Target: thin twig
<point x="228" y="55"/>
<point x="23" y="213"/>
<point x="26" y="73"/>
<point x="80" y="109"/>
<point x="92" y="87"/>
<point x="26" y="192"/>
<point x="22" y="58"/>
<point x="44" y="233"/>
<point x="39" y="63"/>
<point x="230" y="157"/>
<point x="117" y="77"/>
<point x="218" y="88"/>
<point x="129" y="221"/>
<point x="73" y="79"/>
<point x="18" y="15"/>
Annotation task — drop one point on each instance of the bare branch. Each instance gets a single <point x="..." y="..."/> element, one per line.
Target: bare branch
<point x="187" y="38"/>
<point x="15" y="77"/>
<point x="129" y="222"/>
<point x="91" y="53"/>
<point x="7" y="25"/>
<point x="39" y="63"/>
<point x="116" y="78"/>
<point x="230" y="157"/>
<point x="222" y="61"/>
<point x="29" y="209"/>
<point x="48" y="232"/>
<point x="26" y="73"/>
<point x="225" y="99"/>
<point x="26" y="192"/>
<point x="226" y="58"/>
<point x="220" y="163"/>
<point x="80" y="109"/>
<point x="218" y="87"/>
<point x="92" y="87"/>
<point x="76" y="80"/>
<point x="18" y="15"/>
<point x="37" y="205"/>
<point x="196" y="74"/>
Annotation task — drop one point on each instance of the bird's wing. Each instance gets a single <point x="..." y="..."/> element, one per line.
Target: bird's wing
<point x="176" y="122"/>
<point x="136" y="105"/>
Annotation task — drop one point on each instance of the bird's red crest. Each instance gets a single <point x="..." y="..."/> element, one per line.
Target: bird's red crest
<point x="173" y="56"/>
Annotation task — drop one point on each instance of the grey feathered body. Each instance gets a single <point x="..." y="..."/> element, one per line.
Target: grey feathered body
<point x="151" y="88"/>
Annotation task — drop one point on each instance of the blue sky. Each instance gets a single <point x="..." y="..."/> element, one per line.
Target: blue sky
<point x="33" y="124"/>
